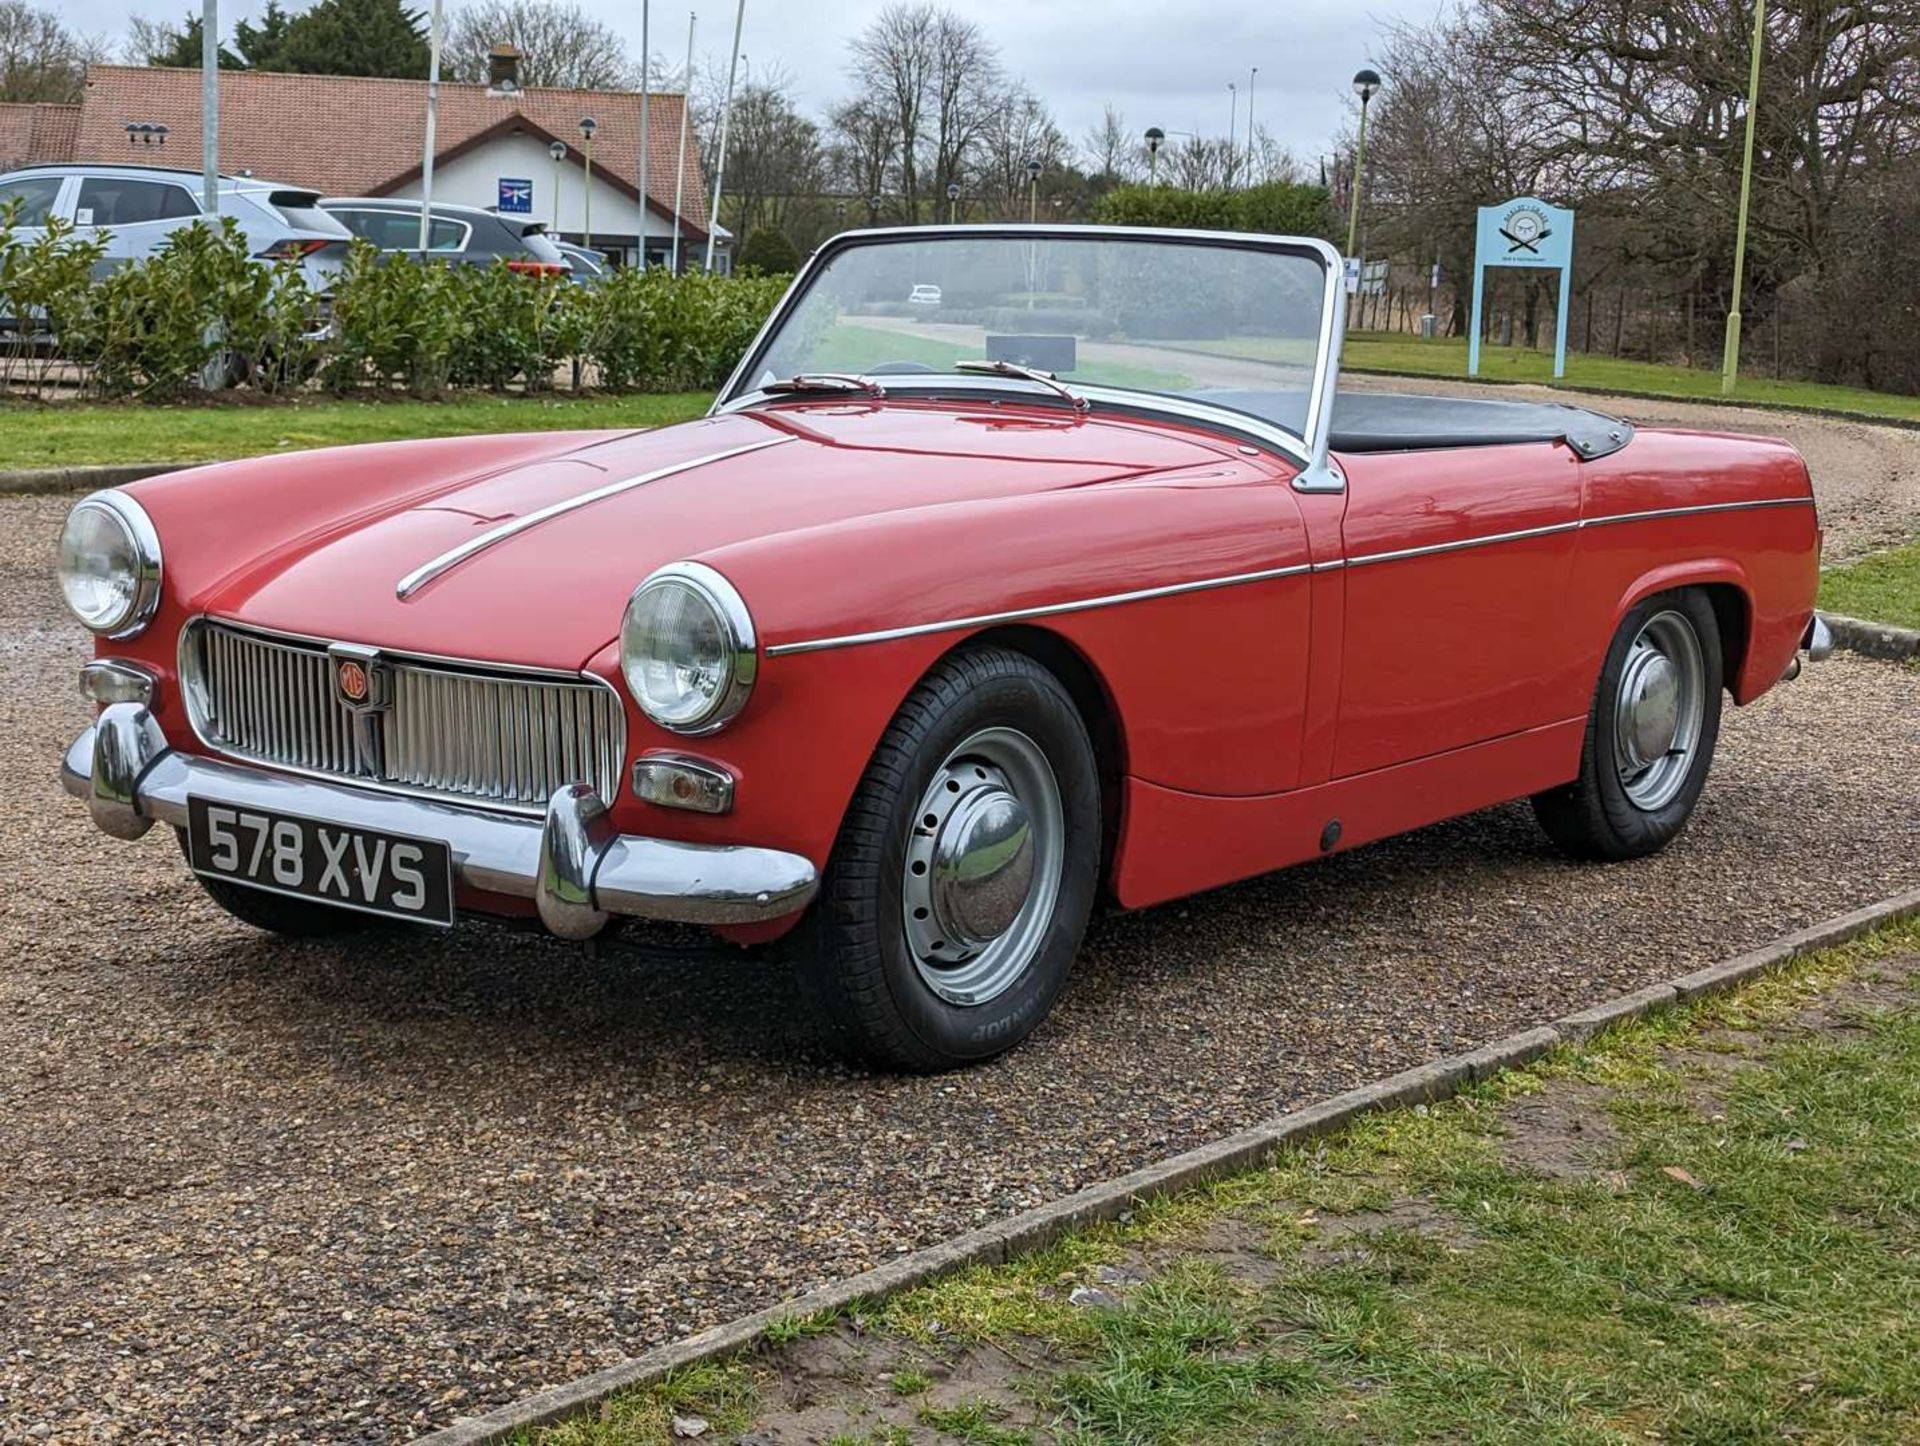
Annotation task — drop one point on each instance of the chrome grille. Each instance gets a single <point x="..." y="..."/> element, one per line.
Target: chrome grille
<point x="453" y="730"/>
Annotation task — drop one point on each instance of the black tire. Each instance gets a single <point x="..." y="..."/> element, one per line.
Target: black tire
<point x="1596" y="816"/>
<point x="277" y="913"/>
<point x="856" y="955"/>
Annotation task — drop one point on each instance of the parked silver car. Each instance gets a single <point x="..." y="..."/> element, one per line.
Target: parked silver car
<point x="134" y="208"/>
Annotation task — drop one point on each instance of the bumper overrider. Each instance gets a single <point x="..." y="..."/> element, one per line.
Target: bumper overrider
<point x="578" y="871"/>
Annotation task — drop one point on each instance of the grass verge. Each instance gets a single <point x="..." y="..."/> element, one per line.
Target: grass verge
<point x="1882" y="588"/>
<point x="65" y="434"/>
<point x="1702" y="1227"/>
<point x="1447" y="357"/>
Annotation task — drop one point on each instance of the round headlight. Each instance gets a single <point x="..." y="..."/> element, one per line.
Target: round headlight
<point x="110" y="564"/>
<point x="687" y="649"/>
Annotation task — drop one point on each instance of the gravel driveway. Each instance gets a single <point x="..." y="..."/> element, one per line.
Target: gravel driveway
<point x="260" y="1191"/>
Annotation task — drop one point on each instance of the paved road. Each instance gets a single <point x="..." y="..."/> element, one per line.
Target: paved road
<point x="259" y="1191"/>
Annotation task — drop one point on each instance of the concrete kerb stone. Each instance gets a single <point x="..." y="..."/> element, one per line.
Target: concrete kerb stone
<point x="1247" y="1149"/>
<point x="82" y="479"/>
<point x="1873" y="640"/>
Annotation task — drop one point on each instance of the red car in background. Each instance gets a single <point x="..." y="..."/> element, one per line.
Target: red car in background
<point x="940" y="628"/>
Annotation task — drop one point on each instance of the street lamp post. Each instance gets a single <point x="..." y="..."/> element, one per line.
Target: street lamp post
<point x="1033" y="191"/>
<point x="558" y="150"/>
<point x="1154" y="137"/>
<point x="1233" y="126"/>
<point x="1252" y="74"/>
<point x="1730" y="359"/>
<point x="209" y="107"/>
<point x="588" y="125"/>
<point x="953" y="202"/>
<point x="1365" y="83"/>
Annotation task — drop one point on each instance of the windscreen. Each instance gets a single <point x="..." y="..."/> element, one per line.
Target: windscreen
<point x="1234" y="325"/>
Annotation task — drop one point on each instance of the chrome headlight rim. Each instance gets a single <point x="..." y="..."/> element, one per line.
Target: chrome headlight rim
<point x="143" y="541"/>
<point x="742" y="650"/>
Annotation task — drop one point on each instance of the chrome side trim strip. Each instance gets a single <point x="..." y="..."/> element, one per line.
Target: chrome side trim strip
<point x="1700" y="507"/>
<point x="453" y="557"/>
<point x="1462" y="544"/>
<point x="1331" y="564"/>
<point x="886" y="635"/>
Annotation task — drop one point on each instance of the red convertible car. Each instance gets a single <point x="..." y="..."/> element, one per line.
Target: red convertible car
<point x="939" y="629"/>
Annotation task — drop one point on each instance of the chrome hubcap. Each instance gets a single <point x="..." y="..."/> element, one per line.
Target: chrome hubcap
<point x="983" y="866"/>
<point x="1658" y="710"/>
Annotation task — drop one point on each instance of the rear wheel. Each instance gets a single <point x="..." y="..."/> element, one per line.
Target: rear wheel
<point x="1650" y="734"/>
<point x="960" y="884"/>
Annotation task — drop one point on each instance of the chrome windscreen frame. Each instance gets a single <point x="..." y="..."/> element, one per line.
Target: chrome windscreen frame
<point x="1319" y="473"/>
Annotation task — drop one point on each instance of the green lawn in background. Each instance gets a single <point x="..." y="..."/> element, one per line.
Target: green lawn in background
<point x="852" y="348"/>
<point x="1883" y="588"/>
<point x="1392" y="352"/>
<point x="72" y="434"/>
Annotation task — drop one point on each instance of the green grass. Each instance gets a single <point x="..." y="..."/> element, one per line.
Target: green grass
<point x="1765" y="1292"/>
<point x="1883" y="588"/>
<point x="66" y="434"/>
<point x="1389" y="352"/>
<point x="849" y="347"/>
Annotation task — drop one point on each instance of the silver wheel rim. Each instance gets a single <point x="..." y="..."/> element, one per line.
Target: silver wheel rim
<point x="1658" y="710"/>
<point x="983" y="867"/>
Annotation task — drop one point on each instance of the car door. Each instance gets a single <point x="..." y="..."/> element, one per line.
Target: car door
<point x="1456" y="564"/>
<point x="31" y="201"/>
<point x="132" y="214"/>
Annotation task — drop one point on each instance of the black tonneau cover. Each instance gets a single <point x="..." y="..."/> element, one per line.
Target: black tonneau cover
<point x="1405" y="422"/>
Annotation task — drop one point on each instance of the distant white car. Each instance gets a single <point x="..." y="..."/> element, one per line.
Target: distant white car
<point x="924" y="295"/>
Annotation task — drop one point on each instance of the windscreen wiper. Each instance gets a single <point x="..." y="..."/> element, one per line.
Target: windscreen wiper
<point x="825" y="382"/>
<point x="996" y="366"/>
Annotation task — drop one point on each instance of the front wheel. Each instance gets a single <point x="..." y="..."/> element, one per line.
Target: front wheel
<point x="959" y="887"/>
<point x="1650" y="734"/>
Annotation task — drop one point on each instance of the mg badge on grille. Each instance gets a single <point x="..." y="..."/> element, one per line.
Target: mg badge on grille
<point x="360" y="677"/>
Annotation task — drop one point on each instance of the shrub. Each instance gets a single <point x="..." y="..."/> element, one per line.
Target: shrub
<point x="1285" y="208"/>
<point x="44" y="286"/>
<point x="767" y="251"/>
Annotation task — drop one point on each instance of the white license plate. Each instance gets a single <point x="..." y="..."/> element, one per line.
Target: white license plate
<point x="393" y="875"/>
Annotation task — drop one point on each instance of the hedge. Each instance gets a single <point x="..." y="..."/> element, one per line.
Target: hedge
<point x="201" y="314"/>
<point x="1278" y="208"/>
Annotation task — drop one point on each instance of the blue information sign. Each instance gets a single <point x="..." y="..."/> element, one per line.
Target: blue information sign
<point x="1525" y="232"/>
<point x="516" y="197"/>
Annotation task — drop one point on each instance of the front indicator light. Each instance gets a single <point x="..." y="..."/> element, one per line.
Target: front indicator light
<point x="673" y="780"/>
<point x="108" y="680"/>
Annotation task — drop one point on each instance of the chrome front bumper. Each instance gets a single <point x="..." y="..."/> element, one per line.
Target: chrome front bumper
<point x="573" y="865"/>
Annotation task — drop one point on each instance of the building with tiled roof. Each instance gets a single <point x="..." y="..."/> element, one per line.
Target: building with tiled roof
<point x="36" y="132"/>
<point x="360" y="136"/>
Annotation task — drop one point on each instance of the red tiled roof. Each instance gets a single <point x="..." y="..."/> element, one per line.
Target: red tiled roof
<point x="33" y="133"/>
<point x="357" y="136"/>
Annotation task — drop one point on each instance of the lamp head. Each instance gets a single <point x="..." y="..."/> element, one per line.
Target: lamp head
<point x="1366" y="83"/>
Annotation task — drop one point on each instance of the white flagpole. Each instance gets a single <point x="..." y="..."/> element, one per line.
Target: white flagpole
<point x="210" y="107"/>
<point x="433" y="109"/>
<point x="726" y="115"/>
<point x="680" y="161"/>
<point x="646" y="96"/>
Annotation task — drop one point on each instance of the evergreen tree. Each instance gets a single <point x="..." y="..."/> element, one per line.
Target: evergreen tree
<point x="158" y="43"/>
<point x="355" y="37"/>
<point x="264" y="45"/>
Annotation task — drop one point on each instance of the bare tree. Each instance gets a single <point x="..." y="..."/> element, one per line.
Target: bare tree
<point x="967" y="91"/>
<point x="774" y="156"/>
<point x="893" y="60"/>
<point x="564" y="47"/>
<point x="1112" y="151"/>
<point x="40" y="59"/>
<point x="1019" y="133"/>
<point x="862" y="153"/>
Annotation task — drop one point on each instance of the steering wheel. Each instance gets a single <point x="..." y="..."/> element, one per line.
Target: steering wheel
<point x="900" y="369"/>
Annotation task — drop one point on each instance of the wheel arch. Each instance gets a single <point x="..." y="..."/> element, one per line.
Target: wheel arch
<point x="1092" y="697"/>
<point x="1730" y="591"/>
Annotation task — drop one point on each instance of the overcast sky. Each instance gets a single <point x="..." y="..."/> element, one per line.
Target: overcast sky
<point x="1162" y="62"/>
